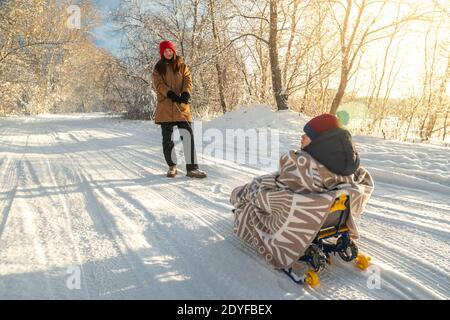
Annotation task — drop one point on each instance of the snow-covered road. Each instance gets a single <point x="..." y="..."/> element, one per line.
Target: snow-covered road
<point x="89" y="192"/>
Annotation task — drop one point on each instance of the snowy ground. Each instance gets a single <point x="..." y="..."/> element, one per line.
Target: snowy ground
<point x="90" y="191"/>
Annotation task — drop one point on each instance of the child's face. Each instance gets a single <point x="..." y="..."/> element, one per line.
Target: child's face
<point x="305" y="141"/>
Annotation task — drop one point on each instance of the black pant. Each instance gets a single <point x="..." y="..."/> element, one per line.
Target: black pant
<point x="187" y="137"/>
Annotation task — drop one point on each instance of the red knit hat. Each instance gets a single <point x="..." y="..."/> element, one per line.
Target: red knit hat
<point x="320" y="124"/>
<point x="167" y="44"/>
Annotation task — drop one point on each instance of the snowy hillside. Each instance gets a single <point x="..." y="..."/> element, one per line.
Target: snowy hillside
<point x="90" y="192"/>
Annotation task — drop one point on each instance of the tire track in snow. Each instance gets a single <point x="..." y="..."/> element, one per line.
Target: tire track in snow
<point x="23" y="213"/>
<point x="95" y="271"/>
<point x="177" y="207"/>
<point x="330" y="278"/>
<point x="8" y="184"/>
<point x="59" y="210"/>
<point x="352" y="283"/>
<point x="203" y="206"/>
<point x="129" y="201"/>
<point x="418" y="237"/>
<point x="108" y="196"/>
<point x="108" y="226"/>
<point x="210" y="223"/>
<point x="427" y="275"/>
<point x="407" y="218"/>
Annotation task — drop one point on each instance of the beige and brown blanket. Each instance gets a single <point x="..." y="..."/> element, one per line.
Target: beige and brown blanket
<point x="280" y="214"/>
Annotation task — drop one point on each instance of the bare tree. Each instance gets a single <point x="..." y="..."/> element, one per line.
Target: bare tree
<point x="277" y="85"/>
<point x="358" y="28"/>
<point x="220" y="72"/>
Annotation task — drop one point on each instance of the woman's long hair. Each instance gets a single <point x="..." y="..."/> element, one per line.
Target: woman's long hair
<point x="176" y="64"/>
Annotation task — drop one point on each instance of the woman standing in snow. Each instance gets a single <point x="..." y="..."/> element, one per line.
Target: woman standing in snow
<point x="173" y="84"/>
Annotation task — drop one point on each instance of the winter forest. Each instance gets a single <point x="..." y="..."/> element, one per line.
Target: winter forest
<point x="387" y="63"/>
<point x="224" y="150"/>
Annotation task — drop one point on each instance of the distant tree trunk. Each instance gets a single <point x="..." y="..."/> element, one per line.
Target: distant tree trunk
<point x="345" y="52"/>
<point x="219" y="70"/>
<point x="293" y="34"/>
<point x="246" y="77"/>
<point x="411" y="116"/>
<point x="383" y="73"/>
<point x="305" y="95"/>
<point x="428" y="123"/>
<point x="445" y="122"/>
<point x="195" y="5"/>
<point x="442" y="89"/>
<point x="341" y="90"/>
<point x="280" y="95"/>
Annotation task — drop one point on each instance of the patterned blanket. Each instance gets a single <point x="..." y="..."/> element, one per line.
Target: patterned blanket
<point x="280" y="214"/>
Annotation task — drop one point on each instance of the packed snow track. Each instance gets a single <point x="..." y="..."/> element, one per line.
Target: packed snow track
<point x="86" y="212"/>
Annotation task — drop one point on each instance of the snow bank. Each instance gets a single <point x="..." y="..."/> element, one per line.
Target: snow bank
<point x="259" y="116"/>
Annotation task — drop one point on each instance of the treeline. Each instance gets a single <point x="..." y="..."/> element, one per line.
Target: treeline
<point x="49" y="63"/>
<point x="310" y="56"/>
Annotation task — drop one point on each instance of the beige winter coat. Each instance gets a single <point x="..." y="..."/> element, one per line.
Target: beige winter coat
<point x="166" y="110"/>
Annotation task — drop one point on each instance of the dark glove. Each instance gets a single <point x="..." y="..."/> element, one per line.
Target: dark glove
<point x="185" y="97"/>
<point x="173" y="96"/>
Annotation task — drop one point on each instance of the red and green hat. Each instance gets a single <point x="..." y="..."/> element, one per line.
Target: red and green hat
<point x="320" y="124"/>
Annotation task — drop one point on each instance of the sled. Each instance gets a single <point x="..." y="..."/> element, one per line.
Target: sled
<point x="333" y="238"/>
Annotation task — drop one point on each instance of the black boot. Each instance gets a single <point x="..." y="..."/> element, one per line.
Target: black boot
<point x="196" y="173"/>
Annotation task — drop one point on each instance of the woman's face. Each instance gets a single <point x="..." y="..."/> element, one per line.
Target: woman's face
<point x="305" y="141"/>
<point x="168" y="53"/>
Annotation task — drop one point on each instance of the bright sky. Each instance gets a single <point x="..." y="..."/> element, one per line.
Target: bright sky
<point x="106" y="36"/>
<point x="410" y="59"/>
